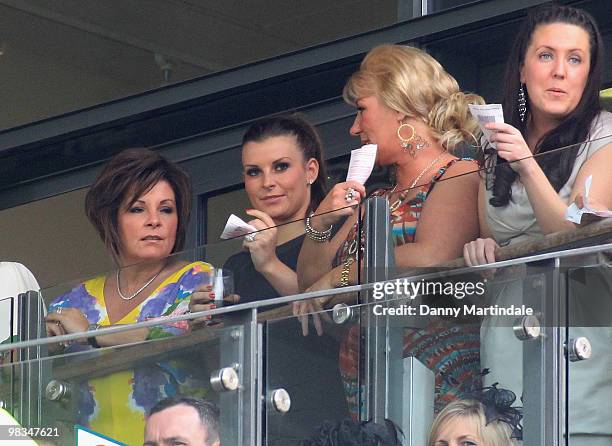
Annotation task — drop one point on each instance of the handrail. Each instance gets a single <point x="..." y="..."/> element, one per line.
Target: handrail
<point x="185" y="317"/>
<point x="507" y="256"/>
<point x="596" y="232"/>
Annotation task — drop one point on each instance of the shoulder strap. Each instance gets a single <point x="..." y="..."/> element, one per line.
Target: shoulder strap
<point x="442" y="170"/>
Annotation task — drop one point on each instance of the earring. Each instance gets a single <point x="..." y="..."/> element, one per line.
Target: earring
<point x="407" y="143"/>
<point x="309" y="182"/>
<point x="522" y="103"/>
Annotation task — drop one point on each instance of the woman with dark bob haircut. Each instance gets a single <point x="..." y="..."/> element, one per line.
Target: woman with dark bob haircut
<point x="139" y="205"/>
<point x="134" y="172"/>
<point x="556" y="137"/>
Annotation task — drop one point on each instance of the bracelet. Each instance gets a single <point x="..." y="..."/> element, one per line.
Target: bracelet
<point x="346" y="272"/>
<point x="317" y="236"/>
<point x="92" y="339"/>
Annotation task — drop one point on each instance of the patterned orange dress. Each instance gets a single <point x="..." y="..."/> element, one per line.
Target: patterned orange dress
<point x="451" y="351"/>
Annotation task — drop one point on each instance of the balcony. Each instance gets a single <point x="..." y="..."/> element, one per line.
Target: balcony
<point x="399" y="344"/>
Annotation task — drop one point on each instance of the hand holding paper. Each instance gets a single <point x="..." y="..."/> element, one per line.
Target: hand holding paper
<point x="235" y="227"/>
<point x="574" y="213"/>
<point x="362" y="163"/>
<point x="485" y="114"/>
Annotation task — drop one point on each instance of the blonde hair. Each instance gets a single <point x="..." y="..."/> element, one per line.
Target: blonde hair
<point x="412" y="82"/>
<point x="496" y="433"/>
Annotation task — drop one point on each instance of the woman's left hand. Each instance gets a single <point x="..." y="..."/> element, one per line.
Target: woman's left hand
<point x="263" y="247"/>
<point x="593" y="204"/>
<point x="304" y="308"/>
<point x="71" y="319"/>
<point x="511" y="146"/>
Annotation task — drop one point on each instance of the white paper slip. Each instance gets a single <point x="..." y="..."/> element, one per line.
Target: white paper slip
<point x="362" y="163"/>
<point x="235" y="227"/>
<point x="574" y="214"/>
<point x="485" y="114"/>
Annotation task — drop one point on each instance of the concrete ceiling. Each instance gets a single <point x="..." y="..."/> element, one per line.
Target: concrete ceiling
<point x="118" y="40"/>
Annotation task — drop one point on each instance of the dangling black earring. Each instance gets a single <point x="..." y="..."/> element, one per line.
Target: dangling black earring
<point x="522" y="103"/>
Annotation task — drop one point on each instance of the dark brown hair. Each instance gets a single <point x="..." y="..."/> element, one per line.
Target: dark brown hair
<point x="575" y="127"/>
<point x="126" y="177"/>
<point x="307" y="140"/>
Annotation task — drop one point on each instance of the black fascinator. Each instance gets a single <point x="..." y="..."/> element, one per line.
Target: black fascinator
<point x="498" y="403"/>
<point x="498" y="407"/>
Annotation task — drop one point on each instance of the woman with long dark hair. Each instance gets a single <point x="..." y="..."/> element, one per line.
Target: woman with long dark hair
<point x="557" y="136"/>
<point x="552" y="107"/>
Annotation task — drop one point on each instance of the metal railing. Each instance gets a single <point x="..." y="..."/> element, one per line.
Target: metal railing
<point x="241" y="349"/>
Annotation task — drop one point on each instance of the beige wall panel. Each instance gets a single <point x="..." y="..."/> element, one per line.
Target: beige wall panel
<point x="54" y="239"/>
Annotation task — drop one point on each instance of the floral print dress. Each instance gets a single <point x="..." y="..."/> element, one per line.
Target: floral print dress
<point x="115" y="405"/>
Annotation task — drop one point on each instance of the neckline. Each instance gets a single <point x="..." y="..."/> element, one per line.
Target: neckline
<point x="403" y="194"/>
<point x="155" y="292"/>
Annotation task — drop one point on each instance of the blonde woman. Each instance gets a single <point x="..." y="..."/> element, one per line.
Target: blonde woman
<point x="413" y="110"/>
<point x="463" y="423"/>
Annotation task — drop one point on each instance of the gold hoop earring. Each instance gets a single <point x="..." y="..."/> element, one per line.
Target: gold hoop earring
<point x="412" y="144"/>
<point x="405" y="142"/>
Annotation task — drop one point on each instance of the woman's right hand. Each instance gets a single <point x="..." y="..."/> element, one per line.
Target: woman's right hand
<point x="71" y="320"/>
<point x="335" y="205"/>
<point x="55" y="328"/>
<point x="480" y="251"/>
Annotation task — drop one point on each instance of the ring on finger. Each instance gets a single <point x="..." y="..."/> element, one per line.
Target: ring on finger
<point x="350" y="195"/>
<point x="250" y="237"/>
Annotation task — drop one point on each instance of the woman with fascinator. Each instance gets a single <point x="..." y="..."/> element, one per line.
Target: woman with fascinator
<point x="556" y="136"/>
<point x="489" y="420"/>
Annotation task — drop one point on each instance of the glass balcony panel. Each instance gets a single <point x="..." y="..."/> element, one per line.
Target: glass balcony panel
<point x="175" y="353"/>
<point x="314" y="359"/>
<point x="471" y="331"/>
<point x="110" y="390"/>
<point x="429" y="354"/>
<point x="589" y="300"/>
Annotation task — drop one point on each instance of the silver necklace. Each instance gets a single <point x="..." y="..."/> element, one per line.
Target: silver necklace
<point x="399" y="200"/>
<point x="122" y="296"/>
